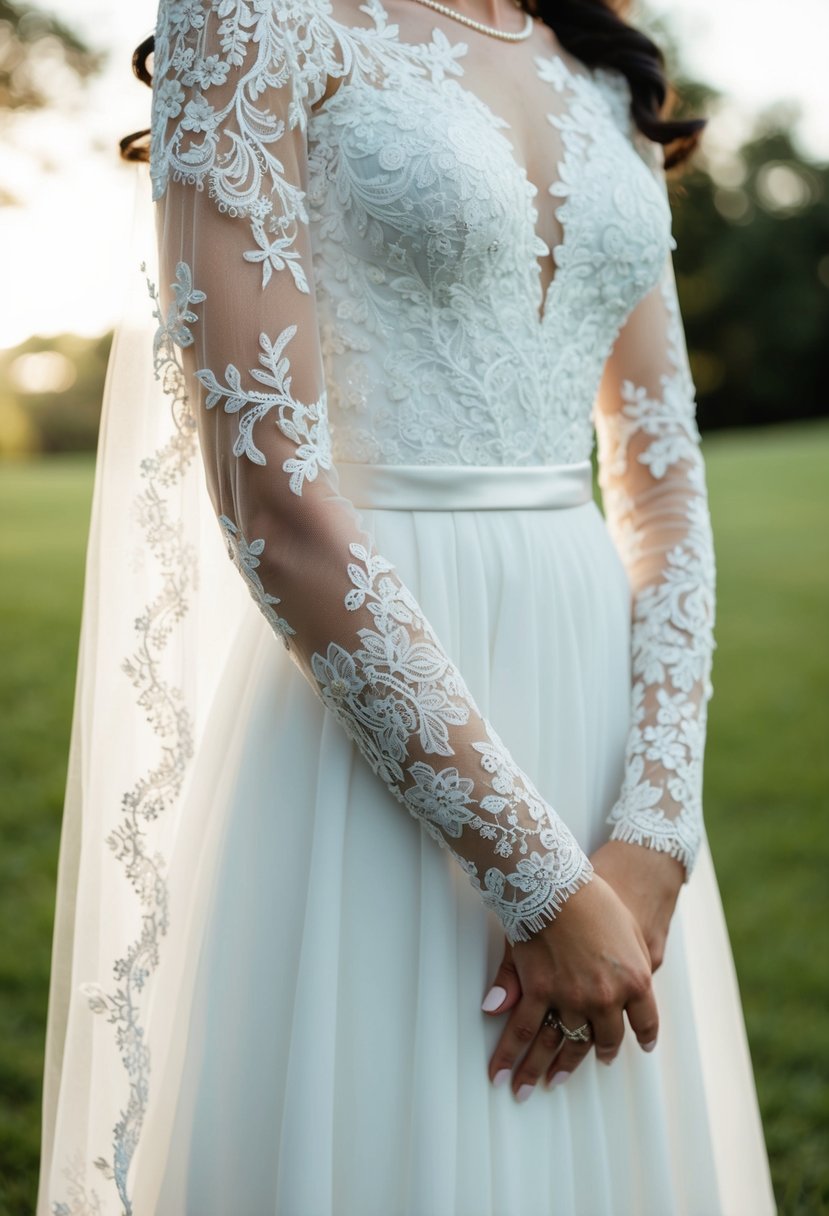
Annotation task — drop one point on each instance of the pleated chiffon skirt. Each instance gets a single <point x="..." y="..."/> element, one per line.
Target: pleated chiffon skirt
<point x="332" y="1058"/>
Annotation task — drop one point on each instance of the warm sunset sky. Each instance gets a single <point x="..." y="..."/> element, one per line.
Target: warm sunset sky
<point x="62" y="249"/>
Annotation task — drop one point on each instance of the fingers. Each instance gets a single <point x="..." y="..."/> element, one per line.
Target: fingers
<point x="538" y="1060"/>
<point x="593" y="977"/>
<point x="643" y="1016"/>
<point x="571" y="1053"/>
<point x="523" y="1025"/>
<point x="506" y="987"/>
<point x="608" y="1032"/>
<point x="543" y="1053"/>
<point x="656" y="949"/>
<point x="607" y="1029"/>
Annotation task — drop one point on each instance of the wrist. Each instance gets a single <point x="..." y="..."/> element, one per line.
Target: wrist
<point x="648" y="882"/>
<point x="641" y="864"/>
<point x="647" y="814"/>
<point x="550" y="881"/>
<point x="673" y="839"/>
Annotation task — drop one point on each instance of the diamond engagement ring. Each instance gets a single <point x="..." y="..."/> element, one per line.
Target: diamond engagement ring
<point x="581" y="1034"/>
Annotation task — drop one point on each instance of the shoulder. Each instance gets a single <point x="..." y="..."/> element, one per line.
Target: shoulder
<point x="615" y="88"/>
<point x="230" y="78"/>
<point x="257" y="44"/>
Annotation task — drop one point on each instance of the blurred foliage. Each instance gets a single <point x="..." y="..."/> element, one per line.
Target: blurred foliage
<point x="752" y="261"/>
<point x="33" y="44"/>
<point x="43" y="62"/>
<point x="752" y="265"/>
<point x="50" y="394"/>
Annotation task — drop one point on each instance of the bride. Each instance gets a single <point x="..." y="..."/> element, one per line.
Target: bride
<point x="386" y="763"/>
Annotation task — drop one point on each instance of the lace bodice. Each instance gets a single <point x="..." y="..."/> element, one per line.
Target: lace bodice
<point x="380" y="243"/>
<point x="426" y="218"/>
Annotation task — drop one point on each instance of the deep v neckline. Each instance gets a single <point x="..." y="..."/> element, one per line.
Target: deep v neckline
<point x="446" y="49"/>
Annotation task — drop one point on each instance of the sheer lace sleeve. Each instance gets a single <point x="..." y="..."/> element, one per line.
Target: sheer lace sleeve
<point x="233" y="89"/>
<point x="652" y="477"/>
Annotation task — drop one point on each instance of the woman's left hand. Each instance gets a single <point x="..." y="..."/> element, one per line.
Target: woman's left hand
<point x="647" y="881"/>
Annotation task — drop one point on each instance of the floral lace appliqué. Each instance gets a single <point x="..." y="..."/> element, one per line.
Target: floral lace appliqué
<point x="660" y="802"/>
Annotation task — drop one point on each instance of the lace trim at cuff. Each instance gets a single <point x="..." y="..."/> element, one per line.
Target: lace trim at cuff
<point x="549" y="881"/>
<point x="679" y="837"/>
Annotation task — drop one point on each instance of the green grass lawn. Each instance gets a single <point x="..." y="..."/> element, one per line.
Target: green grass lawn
<point x="766" y="776"/>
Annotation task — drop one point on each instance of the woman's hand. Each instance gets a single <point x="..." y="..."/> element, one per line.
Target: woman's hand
<point x="648" y="882"/>
<point x="592" y="964"/>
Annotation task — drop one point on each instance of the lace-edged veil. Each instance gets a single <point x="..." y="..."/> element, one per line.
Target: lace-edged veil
<point x="139" y="837"/>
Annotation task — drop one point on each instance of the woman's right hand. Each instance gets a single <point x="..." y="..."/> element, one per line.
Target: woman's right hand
<point x="592" y="964"/>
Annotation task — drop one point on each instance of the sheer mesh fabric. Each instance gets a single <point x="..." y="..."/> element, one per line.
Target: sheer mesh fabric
<point x="653" y="482"/>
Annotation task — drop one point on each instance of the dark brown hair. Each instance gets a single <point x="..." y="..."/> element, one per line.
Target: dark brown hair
<point x="596" y="32"/>
<point x="136" y="145"/>
<point x="593" y="31"/>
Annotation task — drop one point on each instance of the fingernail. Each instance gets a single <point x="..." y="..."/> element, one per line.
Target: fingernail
<point x="649" y="1046"/>
<point x="559" y="1078"/>
<point x="494" y="998"/>
<point x="524" y="1093"/>
<point x="502" y="1076"/>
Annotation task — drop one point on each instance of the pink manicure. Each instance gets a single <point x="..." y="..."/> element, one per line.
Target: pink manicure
<point x="494" y="998"/>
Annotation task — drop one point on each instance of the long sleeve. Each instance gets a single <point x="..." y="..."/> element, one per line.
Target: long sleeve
<point x="233" y="88"/>
<point x="652" y="477"/>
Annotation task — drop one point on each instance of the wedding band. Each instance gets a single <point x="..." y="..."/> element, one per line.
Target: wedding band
<point x="581" y="1034"/>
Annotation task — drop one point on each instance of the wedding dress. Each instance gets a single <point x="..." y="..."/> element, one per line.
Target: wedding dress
<point x="365" y="673"/>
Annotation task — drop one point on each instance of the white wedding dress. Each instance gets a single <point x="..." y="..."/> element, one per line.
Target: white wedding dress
<point x="405" y="272"/>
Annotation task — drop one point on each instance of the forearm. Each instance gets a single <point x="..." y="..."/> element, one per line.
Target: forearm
<point x="652" y="476"/>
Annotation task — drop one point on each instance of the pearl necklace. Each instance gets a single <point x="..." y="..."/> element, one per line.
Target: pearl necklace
<point x="479" y="25"/>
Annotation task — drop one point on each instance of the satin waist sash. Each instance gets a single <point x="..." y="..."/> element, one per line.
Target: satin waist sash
<point x="412" y="487"/>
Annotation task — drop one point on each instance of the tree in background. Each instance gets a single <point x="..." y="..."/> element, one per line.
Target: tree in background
<point x="42" y="61"/>
<point x="753" y="275"/>
<point x="752" y="264"/>
<point x="34" y="46"/>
